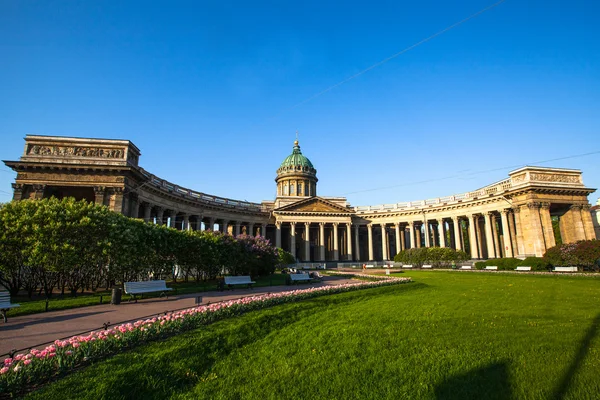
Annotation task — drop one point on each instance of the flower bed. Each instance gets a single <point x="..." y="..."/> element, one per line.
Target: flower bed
<point x="26" y="371"/>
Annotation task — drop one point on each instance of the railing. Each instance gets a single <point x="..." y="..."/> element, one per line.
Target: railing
<point x="493" y="189"/>
<point x="162" y="184"/>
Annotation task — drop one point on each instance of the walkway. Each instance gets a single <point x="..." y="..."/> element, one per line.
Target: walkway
<point x="31" y="330"/>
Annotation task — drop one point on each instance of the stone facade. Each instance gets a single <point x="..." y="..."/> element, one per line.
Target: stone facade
<point x="516" y="217"/>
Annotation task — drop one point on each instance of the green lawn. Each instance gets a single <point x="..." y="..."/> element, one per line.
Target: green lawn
<point x="448" y="335"/>
<point x="57" y="302"/>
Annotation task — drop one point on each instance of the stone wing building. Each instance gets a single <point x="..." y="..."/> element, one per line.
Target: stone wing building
<point x="520" y="216"/>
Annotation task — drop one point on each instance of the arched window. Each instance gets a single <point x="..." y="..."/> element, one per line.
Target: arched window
<point x="292" y="189"/>
<point x="285" y="189"/>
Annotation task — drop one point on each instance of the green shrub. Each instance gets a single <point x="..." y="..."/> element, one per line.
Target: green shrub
<point x="503" y="264"/>
<point x="584" y="253"/>
<point x="536" y="263"/>
<point x="436" y="256"/>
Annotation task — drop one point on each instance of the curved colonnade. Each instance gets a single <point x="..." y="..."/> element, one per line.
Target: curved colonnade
<point x="519" y="216"/>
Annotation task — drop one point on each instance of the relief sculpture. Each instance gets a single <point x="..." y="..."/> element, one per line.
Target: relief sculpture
<point x="74" y="151"/>
<point x="555" y="178"/>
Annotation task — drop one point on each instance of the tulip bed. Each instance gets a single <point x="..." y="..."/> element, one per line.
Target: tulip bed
<point x="26" y="371"/>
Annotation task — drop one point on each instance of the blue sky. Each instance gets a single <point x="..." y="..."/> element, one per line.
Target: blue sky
<point x="210" y="91"/>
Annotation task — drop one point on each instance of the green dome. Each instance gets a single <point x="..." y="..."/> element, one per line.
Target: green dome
<point x="296" y="159"/>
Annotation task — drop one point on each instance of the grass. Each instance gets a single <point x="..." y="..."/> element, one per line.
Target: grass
<point x="29" y="306"/>
<point x="446" y="336"/>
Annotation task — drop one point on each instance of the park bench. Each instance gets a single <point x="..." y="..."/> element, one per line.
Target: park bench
<point x="370" y="266"/>
<point x="523" y="268"/>
<point x="231" y="281"/>
<point x="5" y="304"/>
<point x="491" y="267"/>
<point x="300" y="278"/>
<point x="564" y="269"/>
<point x="427" y="266"/>
<point x="466" y="267"/>
<point x="407" y="266"/>
<point x="135" y="288"/>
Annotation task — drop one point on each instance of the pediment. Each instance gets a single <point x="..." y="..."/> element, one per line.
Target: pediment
<point x="314" y="205"/>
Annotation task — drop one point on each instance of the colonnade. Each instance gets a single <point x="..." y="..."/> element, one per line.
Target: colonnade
<point x="524" y="230"/>
<point x="316" y="241"/>
<point x="187" y="221"/>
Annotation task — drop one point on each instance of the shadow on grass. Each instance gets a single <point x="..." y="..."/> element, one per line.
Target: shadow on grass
<point x="584" y="347"/>
<point x="490" y="382"/>
<point x="165" y="369"/>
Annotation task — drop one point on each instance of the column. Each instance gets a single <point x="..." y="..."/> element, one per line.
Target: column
<point x="546" y="220"/>
<point x="489" y="238"/>
<point x="402" y="239"/>
<point x="293" y="239"/>
<point x="588" y="223"/>
<point x="211" y="224"/>
<point x="160" y="212"/>
<point x="370" y="234"/>
<point x="17" y="191"/>
<point x="99" y="193"/>
<point x="496" y="237"/>
<point x="147" y="212"/>
<point x="411" y="225"/>
<point x="225" y="227"/>
<point x="349" y="241"/>
<point x="473" y="236"/>
<point x="384" y="244"/>
<point x="278" y="234"/>
<point x="507" y="232"/>
<point x="479" y="237"/>
<point x="263" y="230"/>
<point x="307" y="241"/>
<point x="441" y="232"/>
<point x="238" y="227"/>
<point x="199" y="223"/>
<point x="398" y="246"/>
<point x="173" y="216"/>
<point x="535" y="232"/>
<point x="418" y="235"/>
<point x="357" y="241"/>
<point x="520" y="249"/>
<point x="457" y="233"/>
<point x="322" y="241"/>
<point x="336" y="250"/>
<point x="251" y="228"/>
<point x="116" y="200"/>
<point x="38" y="192"/>
<point x="134" y="210"/>
<point x="427" y="233"/>
<point x="185" y="226"/>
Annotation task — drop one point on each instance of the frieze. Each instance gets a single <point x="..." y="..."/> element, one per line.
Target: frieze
<point x="518" y="178"/>
<point x="76" y="151"/>
<point x="554" y="178"/>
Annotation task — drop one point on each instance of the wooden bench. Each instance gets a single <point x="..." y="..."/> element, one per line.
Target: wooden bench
<point x="370" y="266"/>
<point x="231" y="281"/>
<point x="300" y="278"/>
<point x="407" y="266"/>
<point x="466" y="267"/>
<point x="5" y="304"/>
<point x="564" y="269"/>
<point x="523" y="268"/>
<point x="427" y="266"/>
<point x="491" y="267"/>
<point x="135" y="288"/>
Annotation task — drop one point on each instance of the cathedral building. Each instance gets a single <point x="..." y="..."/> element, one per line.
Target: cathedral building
<point x="521" y="215"/>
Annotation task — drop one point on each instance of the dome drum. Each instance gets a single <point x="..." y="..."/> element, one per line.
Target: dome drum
<point x="296" y="176"/>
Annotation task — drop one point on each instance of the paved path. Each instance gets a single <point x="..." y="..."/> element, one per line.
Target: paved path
<point x="31" y="330"/>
